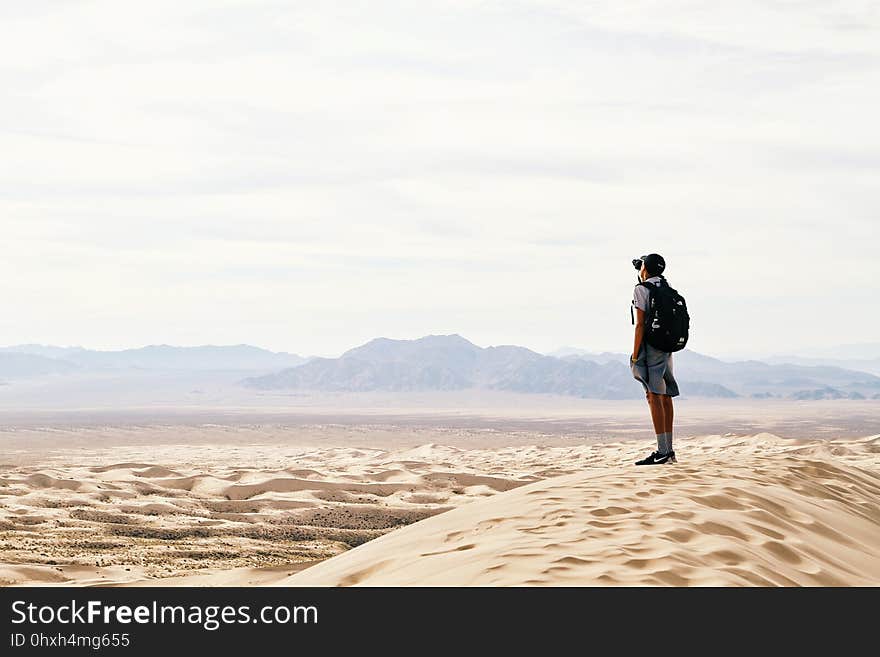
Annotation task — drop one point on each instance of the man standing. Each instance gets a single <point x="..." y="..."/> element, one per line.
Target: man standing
<point x="651" y="366"/>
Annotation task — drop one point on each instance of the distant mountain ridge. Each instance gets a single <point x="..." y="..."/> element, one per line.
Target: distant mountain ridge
<point x="760" y="379"/>
<point x="450" y="362"/>
<point x="440" y="362"/>
<point x="34" y="360"/>
<point x="14" y="365"/>
<point x="870" y="365"/>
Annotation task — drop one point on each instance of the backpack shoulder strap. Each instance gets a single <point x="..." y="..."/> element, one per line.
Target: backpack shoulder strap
<point x="648" y="287"/>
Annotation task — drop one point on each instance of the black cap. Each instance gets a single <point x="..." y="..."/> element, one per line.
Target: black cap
<point x="654" y="263"/>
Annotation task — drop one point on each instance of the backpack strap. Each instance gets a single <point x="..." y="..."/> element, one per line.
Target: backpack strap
<point x="649" y="287"/>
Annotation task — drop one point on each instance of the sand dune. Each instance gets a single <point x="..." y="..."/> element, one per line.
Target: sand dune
<point x="774" y="512"/>
<point x="212" y="514"/>
<point x="383" y="510"/>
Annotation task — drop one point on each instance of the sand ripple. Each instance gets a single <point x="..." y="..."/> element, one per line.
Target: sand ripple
<point x="773" y="513"/>
<point x="220" y="508"/>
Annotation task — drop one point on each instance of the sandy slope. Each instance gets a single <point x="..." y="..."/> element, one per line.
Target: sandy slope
<point x="775" y="512"/>
<point x="226" y="513"/>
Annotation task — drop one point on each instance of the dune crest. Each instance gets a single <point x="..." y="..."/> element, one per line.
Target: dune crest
<point x="772" y="512"/>
<point x="391" y="507"/>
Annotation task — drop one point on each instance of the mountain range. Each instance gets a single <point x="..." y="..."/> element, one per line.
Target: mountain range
<point x="433" y="362"/>
<point x="34" y="360"/>
<point x="450" y="362"/>
<point x="867" y="364"/>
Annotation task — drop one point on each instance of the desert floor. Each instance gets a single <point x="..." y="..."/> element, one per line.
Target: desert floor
<point x="448" y="491"/>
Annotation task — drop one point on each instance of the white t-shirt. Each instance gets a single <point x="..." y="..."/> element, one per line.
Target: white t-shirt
<point x="640" y="293"/>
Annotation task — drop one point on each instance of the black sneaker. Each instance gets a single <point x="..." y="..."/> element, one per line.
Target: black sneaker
<point x="672" y="458"/>
<point x="656" y="458"/>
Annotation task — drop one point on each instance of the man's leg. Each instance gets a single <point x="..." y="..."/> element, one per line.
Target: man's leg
<point x="668" y="414"/>
<point x="658" y="417"/>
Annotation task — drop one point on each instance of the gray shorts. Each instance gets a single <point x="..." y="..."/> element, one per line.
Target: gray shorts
<point x="653" y="369"/>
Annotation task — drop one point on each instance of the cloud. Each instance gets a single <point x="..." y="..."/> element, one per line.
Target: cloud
<point x="299" y="175"/>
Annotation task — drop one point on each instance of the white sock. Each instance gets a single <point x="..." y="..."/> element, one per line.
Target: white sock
<point x="664" y="443"/>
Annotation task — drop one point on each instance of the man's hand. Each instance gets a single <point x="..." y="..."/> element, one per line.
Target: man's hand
<point x="633" y="359"/>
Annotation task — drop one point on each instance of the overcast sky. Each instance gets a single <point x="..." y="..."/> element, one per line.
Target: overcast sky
<point x="305" y="176"/>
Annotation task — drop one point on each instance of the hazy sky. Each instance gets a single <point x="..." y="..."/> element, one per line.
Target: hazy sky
<point x="305" y="176"/>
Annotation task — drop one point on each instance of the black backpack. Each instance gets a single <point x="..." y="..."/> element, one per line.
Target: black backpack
<point x="667" y="321"/>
